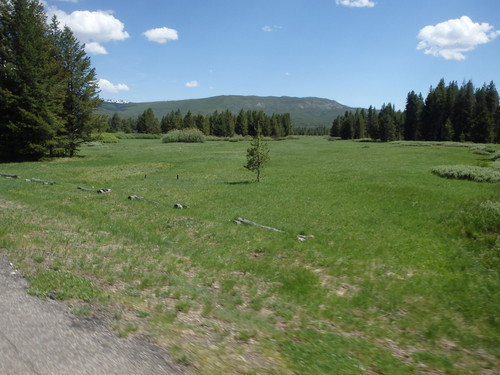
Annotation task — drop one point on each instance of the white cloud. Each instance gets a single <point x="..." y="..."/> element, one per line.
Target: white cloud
<point x="95" y="48"/>
<point x="109" y="87"/>
<point x="161" y="35"/>
<point x="192" y="84"/>
<point x="356" y="3"/>
<point x="92" y="28"/>
<point x="452" y="38"/>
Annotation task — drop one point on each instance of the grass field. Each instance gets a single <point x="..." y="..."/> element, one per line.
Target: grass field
<point x="401" y="276"/>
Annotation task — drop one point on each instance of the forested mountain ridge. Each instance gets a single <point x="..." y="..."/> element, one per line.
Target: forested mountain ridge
<point x="305" y="112"/>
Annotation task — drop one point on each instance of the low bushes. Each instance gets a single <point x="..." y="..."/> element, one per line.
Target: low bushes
<point x="107" y="138"/>
<point x="467" y="172"/>
<point x="138" y="136"/>
<point x="186" y="135"/>
<point x="235" y="138"/>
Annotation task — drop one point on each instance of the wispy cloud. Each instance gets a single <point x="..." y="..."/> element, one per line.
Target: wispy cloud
<point x="161" y="35"/>
<point x="356" y="3"/>
<point x="109" y="87"/>
<point x="451" y="39"/>
<point x="269" y="29"/>
<point x="92" y="28"/>
<point x="192" y="84"/>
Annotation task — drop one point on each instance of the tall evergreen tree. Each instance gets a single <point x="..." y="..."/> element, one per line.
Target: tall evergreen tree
<point x="241" y="124"/>
<point x="387" y="123"/>
<point x="463" y="113"/>
<point x="483" y="125"/>
<point x="188" y="121"/>
<point x="335" y="129"/>
<point x="372" y="126"/>
<point x="286" y="123"/>
<point x="496" y="130"/>
<point x="80" y="90"/>
<point x="115" y="123"/>
<point x="228" y="120"/>
<point x="148" y="123"/>
<point x="347" y="126"/>
<point x="492" y="98"/>
<point x="359" y="124"/>
<point x="413" y="118"/>
<point x="434" y="113"/>
<point x="202" y="123"/>
<point x="30" y="88"/>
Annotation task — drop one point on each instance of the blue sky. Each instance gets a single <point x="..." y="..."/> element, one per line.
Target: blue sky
<point x="358" y="52"/>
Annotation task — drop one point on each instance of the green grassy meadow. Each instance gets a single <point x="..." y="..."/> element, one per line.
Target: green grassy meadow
<point x="401" y="276"/>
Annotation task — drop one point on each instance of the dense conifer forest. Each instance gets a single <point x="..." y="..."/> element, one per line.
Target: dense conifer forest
<point x="219" y="124"/>
<point x="448" y="113"/>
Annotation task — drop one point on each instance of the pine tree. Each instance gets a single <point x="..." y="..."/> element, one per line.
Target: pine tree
<point x="387" y="123"/>
<point x="347" y="126"/>
<point x="168" y="122"/>
<point x="30" y="89"/>
<point x="216" y="125"/>
<point x="413" y="116"/>
<point x="228" y="121"/>
<point x="115" y="123"/>
<point x="286" y="123"/>
<point x="80" y="90"/>
<point x="496" y="130"/>
<point x="434" y="113"/>
<point x="492" y="98"/>
<point x="335" y="129"/>
<point x="202" y="123"/>
<point x="257" y="155"/>
<point x="482" y="130"/>
<point x="463" y="113"/>
<point x="372" y="125"/>
<point x="241" y="125"/>
<point x="276" y="128"/>
<point x="188" y="121"/>
<point x="148" y="123"/>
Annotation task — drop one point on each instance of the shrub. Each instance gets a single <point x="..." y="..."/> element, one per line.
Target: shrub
<point x="481" y="152"/>
<point x="364" y="140"/>
<point x="108" y="138"/>
<point x="468" y="172"/>
<point x="438" y="143"/>
<point x="495" y="165"/>
<point x="412" y="143"/>
<point x="495" y="156"/>
<point x="235" y="138"/>
<point x="137" y="136"/>
<point x="186" y="135"/>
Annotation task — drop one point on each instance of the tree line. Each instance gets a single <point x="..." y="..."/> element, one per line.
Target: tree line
<point x="448" y="113"/>
<point x="219" y="123"/>
<point x="48" y="89"/>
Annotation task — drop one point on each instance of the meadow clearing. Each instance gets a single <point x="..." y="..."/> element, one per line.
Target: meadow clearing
<point x="401" y="276"/>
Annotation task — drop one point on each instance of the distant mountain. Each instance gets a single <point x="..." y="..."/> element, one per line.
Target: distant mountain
<point x="305" y="112"/>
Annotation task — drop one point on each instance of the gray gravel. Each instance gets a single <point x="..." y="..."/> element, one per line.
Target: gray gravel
<point x="40" y="337"/>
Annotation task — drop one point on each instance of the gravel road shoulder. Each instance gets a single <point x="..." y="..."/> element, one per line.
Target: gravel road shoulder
<point x="41" y="337"/>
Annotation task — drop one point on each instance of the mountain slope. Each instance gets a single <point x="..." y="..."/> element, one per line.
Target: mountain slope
<point x="304" y="111"/>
